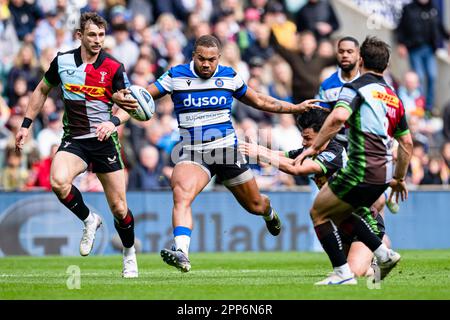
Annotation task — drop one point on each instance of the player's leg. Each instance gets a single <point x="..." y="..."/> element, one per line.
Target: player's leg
<point x="188" y="180"/>
<point x="360" y="195"/>
<point x="248" y="195"/>
<point x="360" y="259"/>
<point x="115" y="191"/>
<point x="325" y="206"/>
<point x="69" y="162"/>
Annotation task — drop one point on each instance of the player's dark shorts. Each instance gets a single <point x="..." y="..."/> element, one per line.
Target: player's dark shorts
<point x="354" y="193"/>
<point x="103" y="155"/>
<point x="228" y="163"/>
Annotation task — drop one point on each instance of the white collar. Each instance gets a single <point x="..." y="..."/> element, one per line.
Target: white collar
<point x="342" y="80"/>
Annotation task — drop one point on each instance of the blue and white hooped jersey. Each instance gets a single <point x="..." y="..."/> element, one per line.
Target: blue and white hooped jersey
<point x="203" y="106"/>
<point x="331" y="87"/>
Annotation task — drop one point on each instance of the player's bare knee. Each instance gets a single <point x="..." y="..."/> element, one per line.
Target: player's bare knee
<point x="60" y="185"/>
<point x="119" y="209"/>
<point x="182" y="197"/>
<point x="256" y="206"/>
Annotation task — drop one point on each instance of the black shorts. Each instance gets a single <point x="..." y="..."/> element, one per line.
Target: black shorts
<point x="103" y="155"/>
<point x="228" y="163"/>
<point x="357" y="194"/>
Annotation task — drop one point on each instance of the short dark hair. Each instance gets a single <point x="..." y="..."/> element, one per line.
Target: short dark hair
<point x="313" y="119"/>
<point x="207" y="41"/>
<point x="349" y="38"/>
<point x="375" y="54"/>
<point x="92" y="17"/>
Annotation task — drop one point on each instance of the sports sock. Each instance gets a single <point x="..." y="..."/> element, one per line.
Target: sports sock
<point x="328" y="236"/>
<point x="129" y="251"/>
<point x="354" y="225"/>
<point x="182" y="238"/>
<point x="125" y="229"/>
<point x="269" y="216"/>
<point x="382" y="253"/>
<point x="74" y="202"/>
<point x="343" y="271"/>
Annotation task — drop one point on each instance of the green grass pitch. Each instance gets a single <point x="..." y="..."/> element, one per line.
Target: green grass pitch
<point x="214" y="276"/>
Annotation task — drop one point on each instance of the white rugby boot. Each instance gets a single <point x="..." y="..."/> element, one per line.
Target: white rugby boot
<point x="87" y="240"/>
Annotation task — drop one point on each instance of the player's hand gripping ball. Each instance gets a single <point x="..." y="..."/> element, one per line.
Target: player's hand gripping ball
<point x="146" y="108"/>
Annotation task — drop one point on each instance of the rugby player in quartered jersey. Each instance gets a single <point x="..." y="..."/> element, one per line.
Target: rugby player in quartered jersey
<point x="88" y="77"/>
<point x="375" y="116"/>
<point x="202" y="92"/>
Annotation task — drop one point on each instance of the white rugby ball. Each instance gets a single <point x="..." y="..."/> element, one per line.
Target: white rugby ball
<point x="145" y="101"/>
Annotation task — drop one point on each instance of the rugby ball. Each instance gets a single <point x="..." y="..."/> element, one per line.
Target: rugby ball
<point x="146" y="108"/>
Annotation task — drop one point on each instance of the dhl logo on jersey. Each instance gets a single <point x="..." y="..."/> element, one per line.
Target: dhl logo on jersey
<point x="389" y="99"/>
<point x="89" y="90"/>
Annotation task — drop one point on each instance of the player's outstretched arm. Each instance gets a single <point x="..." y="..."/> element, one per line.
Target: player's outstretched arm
<point x="330" y="128"/>
<point x="267" y="103"/>
<point x="279" y="160"/>
<point x="34" y="107"/>
<point x="404" y="154"/>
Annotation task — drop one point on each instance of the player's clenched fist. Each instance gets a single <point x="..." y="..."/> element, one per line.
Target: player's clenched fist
<point x="21" y="136"/>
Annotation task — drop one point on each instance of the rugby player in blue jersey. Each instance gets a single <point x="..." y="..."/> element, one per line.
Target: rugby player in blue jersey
<point x="202" y="92"/>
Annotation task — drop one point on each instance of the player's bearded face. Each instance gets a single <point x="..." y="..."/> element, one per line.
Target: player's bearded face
<point x="206" y="61"/>
<point x="347" y="55"/>
<point x="92" y="38"/>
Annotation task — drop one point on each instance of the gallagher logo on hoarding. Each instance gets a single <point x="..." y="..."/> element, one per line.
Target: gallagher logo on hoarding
<point x="41" y="225"/>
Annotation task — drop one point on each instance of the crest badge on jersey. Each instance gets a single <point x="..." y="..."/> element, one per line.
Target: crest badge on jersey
<point x="103" y="74"/>
<point x="219" y="83"/>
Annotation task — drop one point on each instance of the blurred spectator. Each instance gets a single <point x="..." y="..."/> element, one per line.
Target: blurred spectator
<point x="231" y="56"/>
<point x="142" y="8"/>
<point x="411" y="96"/>
<point x="125" y="50"/>
<point x="172" y="7"/>
<point x="96" y="6"/>
<point x="25" y="17"/>
<point x="435" y="173"/>
<point x="281" y="87"/>
<point x="25" y="67"/>
<point x="446" y="121"/>
<point x="203" y="8"/>
<point x="445" y="152"/>
<point x="9" y="43"/>
<point x="419" y="160"/>
<point x="45" y="32"/>
<point x="13" y="176"/>
<point x="166" y="27"/>
<point x="141" y="74"/>
<point x="286" y="135"/>
<point x="260" y="5"/>
<point x="306" y="66"/>
<point x="283" y="29"/>
<point x="50" y="135"/>
<point x="418" y="34"/>
<point x="147" y="175"/>
<point x="39" y="177"/>
<point x="119" y="14"/>
<point x="318" y="17"/>
<point x="242" y="111"/>
<point x="139" y="24"/>
<point x="262" y="48"/>
<point x="246" y="36"/>
<point x="201" y="29"/>
<point x="223" y="31"/>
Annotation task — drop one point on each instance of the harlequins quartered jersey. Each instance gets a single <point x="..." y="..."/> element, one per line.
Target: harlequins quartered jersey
<point x="377" y="116"/>
<point x="203" y="106"/>
<point x="87" y="90"/>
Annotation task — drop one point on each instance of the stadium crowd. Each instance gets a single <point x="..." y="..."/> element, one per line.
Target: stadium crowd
<point x="283" y="48"/>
